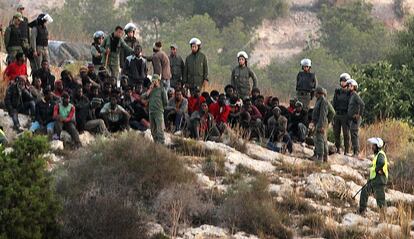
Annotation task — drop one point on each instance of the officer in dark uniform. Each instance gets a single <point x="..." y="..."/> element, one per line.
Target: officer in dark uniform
<point x="306" y="83"/>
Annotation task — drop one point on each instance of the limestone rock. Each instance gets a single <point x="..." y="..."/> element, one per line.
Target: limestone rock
<point x="56" y="145"/>
<point x="86" y="138"/>
<point x="204" y="232"/>
<point x="234" y="157"/>
<point x="154" y="229"/>
<point x="352" y="219"/>
<point x="320" y="184"/>
<point x="348" y="171"/>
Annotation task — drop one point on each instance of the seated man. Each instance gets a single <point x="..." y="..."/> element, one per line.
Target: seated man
<point x="16" y="68"/>
<point x="176" y="111"/>
<point x="220" y="112"/>
<point x="298" y="123"/>
<point x="195" y="101"/>
<point x="64" y="116"/>
<point x="36" y="90"/>
<point x="85" y="115"/>
<point x="260" y="105"/>
<point x="44" y="114"/>
<point x="140" y="117"/>
<point x="202" y="125"/>
<point x="19" y="100"/>
<point x="277" y="127"/>
<point x="251" y="120"/>
<point x="115" y="116"/>
<point x="45" y="76"/>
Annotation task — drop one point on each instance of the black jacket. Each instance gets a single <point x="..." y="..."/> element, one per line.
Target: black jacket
<point x="15" y="97"/>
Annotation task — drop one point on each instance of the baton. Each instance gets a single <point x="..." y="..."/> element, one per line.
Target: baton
<point x="360" y="190"/>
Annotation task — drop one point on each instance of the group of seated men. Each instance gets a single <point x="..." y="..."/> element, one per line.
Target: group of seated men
<point x="92" y="100"/>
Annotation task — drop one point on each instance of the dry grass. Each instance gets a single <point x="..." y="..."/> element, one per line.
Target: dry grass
<point x="251" y="208"/>
<point x="301" y="168"/>
<point x="191" y="147"/>
<point x="110" y="188"/>
<point x="315" y="222"/>
<point x="396" y="135"/>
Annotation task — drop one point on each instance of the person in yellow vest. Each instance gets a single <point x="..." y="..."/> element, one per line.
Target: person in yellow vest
<point x="378" y="176"/>
<point x="3" y="138"/>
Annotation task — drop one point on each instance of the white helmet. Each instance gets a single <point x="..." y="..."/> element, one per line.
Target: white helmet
<point x="352" y="82"/>
<point x="377" y="141"/>
<point x="130" y="27"/>
<point x="344" y="76"/>
<point x="243" y="54"/>
<point x="195" y="40"/>
<point x="98" y="34"/>
<point x="47" y="18"/>
<point x="306" y="62"/>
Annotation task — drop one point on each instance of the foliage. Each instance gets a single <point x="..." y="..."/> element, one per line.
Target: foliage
<point x="396" y="134"/>
<point x="350" y="32"/>
<point x="386" y="91"/>
<point x="181" y="203"/>
<point x="85" y="18"/>
<point x="222" y="12"/>
<point x="28" y="205"/>
<point x="110" y="172"/>
<point x="402" y="53"/>
<point x="402" y="170"/>
<point x="251" y="208"/>
<point x="282" y="75"/>
<point x="399" y="8"/>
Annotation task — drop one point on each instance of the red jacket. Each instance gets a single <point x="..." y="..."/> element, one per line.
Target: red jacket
<point x="195" y="104"/>
<point x="220" y="114"/>
<point x="13" y="70"/>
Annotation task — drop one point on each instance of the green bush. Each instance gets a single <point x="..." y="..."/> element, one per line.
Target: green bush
<point x="28" y="204"/>
<point x="251" y="208"/>
<point x="386" y="91"/>
<point x="123" y="174"/>
<point x="349" y="31"/>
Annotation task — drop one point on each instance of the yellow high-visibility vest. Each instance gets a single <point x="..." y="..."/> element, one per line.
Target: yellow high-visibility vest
<point x="372" y="173"/>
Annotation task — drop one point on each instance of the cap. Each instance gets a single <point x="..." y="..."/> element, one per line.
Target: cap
<point x="173" y="45"/>
<point x="18" y="16"/>
<point x="319" y="90"/>
<point x="19" y="6"/>
<point x="155" y="77"/>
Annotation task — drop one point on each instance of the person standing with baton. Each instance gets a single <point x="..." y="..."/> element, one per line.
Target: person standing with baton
<point x="378" y="176"/>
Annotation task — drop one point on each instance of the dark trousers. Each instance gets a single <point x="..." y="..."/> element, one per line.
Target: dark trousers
<point x="70" y="127"/>
<point x="27" y="108"/>
<point x="341" y="122"/>
<point x="376" y="188"/>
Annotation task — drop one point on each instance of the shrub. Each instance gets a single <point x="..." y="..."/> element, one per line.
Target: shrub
<point x="316" y="223"/>
<point x="181" y="203"/>
<point x="128" y="170"/>
<point x="337" y="232"/>
<point x="396" y="134"/>
<point x="191" y="147"/>
<point x="214" y="166"/>
<point x="402" y="170"/>
<point x="104" y="217"/>
<point x="28" y="204"/>
<point x="250" y="207"/>
<point x="293" y="203"/>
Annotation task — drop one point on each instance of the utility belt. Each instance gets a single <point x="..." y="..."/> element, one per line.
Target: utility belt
<point x="341" y="112"/>
<point x="303" y="93"/>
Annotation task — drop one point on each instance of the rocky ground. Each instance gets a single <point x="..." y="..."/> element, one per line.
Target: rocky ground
<point x="327" y="188"/>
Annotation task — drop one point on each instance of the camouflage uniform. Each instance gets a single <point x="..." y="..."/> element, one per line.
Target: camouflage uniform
<point x="240" y="80"/>
<point x="320" y="119"/>
<point x="355" y="108"/>
<point x="157" y="101"/>
<point x="340" y="104"/>
<point x="114" y="55"/>
<point x="195" y="70"/>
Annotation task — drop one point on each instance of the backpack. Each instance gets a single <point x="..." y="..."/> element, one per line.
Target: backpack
<point x="331" y="112"/>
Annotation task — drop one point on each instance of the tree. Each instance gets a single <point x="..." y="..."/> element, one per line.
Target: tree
<point x="83" y="18"/>
<point x="403" y="52"/>
<point x="28" y="205"/>
<point x="387" y="92"/>
<point x="350" y="32"/>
